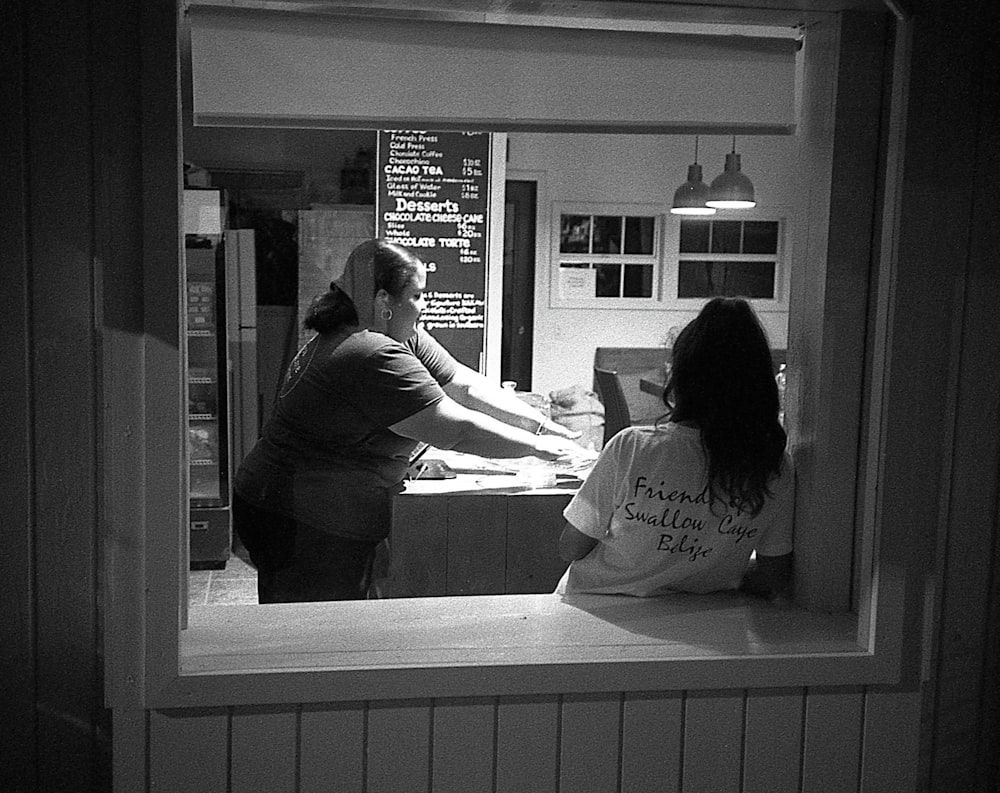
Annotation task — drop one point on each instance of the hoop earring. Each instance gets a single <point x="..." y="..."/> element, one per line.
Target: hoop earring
<point x="386" y="314"/>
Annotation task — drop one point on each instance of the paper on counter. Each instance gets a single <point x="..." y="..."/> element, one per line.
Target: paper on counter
<point x="463" y="463"/>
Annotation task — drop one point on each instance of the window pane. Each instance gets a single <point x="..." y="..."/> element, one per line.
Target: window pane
<point x="639" y="234"/>
<point x="729" y="279"/>
<point x="607" y="234"/>
<point x="609" y="278"/>
<point x="694" y="236"/>
<point x="638" y="280"/>
<point x="574" y="234"/>
<point x="726" y="236"/>
<point x="760" y="236"/>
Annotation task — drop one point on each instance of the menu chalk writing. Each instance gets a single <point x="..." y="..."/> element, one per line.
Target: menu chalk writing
<point x="433" y="197"/>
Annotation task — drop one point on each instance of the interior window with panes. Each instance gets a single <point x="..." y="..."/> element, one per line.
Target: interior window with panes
<point x="729" y="258"/>
<point x="607" y="258"/>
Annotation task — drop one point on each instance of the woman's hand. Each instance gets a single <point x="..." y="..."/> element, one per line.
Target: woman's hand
<point x="554" y="448"/>
<point x="549" y="427"/>
<point x="769" y="577"/>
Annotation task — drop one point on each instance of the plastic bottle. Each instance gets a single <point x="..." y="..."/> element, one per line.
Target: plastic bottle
<point x="779" y="378"/>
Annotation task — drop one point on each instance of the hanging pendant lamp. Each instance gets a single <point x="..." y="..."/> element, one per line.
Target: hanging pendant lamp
<point x="690" y="197"/>
<point x="731" y="189"/>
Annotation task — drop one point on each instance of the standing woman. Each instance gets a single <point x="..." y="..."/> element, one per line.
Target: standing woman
<point x="681" y="506"/>
<point x="313" y="497"/>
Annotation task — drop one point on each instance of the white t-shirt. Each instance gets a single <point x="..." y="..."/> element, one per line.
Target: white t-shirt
<point x="647" y="502"/>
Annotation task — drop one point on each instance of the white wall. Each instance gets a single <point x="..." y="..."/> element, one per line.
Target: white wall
<point x="631" y="169"/>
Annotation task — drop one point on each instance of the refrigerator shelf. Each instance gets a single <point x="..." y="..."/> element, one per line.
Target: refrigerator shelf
<point x="209" y="502"/>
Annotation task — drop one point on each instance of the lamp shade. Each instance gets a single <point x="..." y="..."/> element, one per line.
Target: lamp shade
<point x="690" y="197"/>
<point x="731" y="189"/>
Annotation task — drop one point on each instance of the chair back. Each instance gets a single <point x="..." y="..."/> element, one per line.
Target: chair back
<point x="616" y="412"/>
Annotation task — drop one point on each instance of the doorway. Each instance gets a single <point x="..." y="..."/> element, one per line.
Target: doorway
<point x="518" y="310"/>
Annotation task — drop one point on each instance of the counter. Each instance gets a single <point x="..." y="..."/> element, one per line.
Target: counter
<point x="477" y="534"/>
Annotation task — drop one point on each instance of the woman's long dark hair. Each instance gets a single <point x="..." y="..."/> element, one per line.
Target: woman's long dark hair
<point x="391" y="265"/>
<point x="722" y="378"/>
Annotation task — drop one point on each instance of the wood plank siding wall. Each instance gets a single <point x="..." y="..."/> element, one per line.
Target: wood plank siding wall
<point x="76" y="77"/>
<point x="811" y="740"/>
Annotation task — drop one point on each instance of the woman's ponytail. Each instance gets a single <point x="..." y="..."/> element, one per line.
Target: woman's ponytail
<point x="331" y="311"/>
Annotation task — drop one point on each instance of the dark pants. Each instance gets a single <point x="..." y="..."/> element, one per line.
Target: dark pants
<point x="297" y="563"/>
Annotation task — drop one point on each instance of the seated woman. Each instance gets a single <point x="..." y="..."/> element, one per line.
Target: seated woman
<point x="680" y="507"/>
<point x="312" y="499"/>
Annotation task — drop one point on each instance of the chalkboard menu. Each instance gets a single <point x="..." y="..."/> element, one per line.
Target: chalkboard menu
<point x="433" y="197"/>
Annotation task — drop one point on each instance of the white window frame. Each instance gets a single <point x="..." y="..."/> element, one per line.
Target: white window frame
<point x="655" y="259"/>
<point x="154" y="663"/>
<point x="673" y="257"/>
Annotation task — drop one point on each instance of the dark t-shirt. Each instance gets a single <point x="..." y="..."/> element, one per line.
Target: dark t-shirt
<point x="326" y="457"/>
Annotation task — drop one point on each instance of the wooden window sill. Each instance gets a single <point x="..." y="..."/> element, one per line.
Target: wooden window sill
<point x="507" y="644"/>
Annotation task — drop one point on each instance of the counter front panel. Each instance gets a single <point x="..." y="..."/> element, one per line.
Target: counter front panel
<point x="474" y="535"/>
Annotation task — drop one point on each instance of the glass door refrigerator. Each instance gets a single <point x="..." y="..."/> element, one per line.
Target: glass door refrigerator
<point x="208" y="404"/>
<point x="223" y="418"/>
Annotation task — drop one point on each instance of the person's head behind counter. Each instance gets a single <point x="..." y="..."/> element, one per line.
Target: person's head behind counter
<point x="381" y="289"/>
<point x="312" y="500"/>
